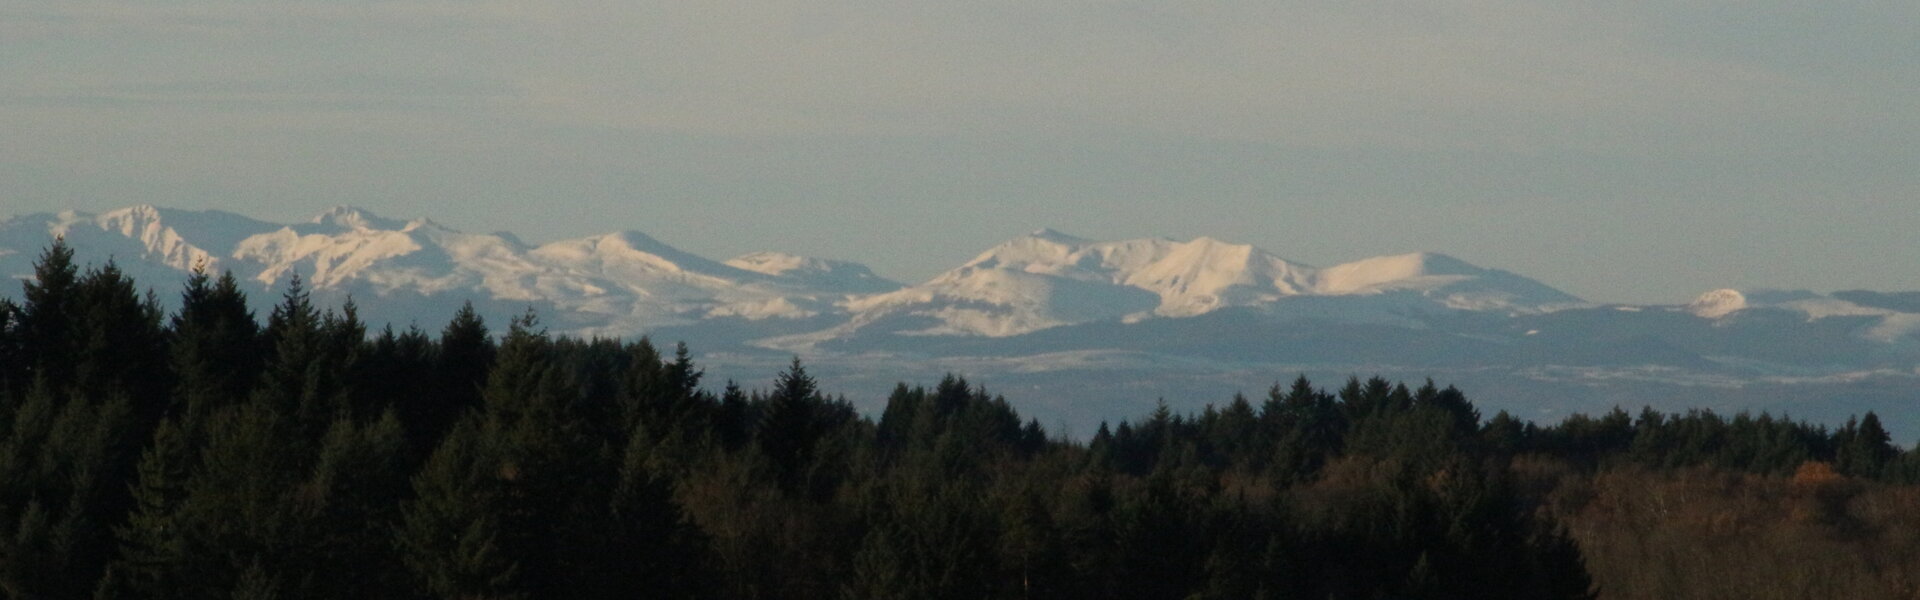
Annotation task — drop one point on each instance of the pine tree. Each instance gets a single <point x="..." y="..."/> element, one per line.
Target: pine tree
<point x="122" y="348"/>
<point x="465" y="357"/>
<point x="508" y="506"/>
<point x="216" y="351"/>
<point x="61" y="492"/>
<point x="13" y="357"/>
<point x="238" y="504"/>
<point x="215" y="354"/>
<point x="1865" y="448"/>
<point x="307" y="376"/>
<point x="651" y="546"/>
<point x="151" y="547"/>
<point x="451" y="538"/>
<point x="48" y="315"/>
<point x="793" y="424"/>
<point x="347" y="510"/>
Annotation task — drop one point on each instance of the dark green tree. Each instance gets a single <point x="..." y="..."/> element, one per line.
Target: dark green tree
<point x="216" y="350"/>
<point x="1865" y="448"/>
<point x="48" y="314"/>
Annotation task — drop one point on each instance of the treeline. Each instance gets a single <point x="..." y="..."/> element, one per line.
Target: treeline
<point x="201" y="454"/>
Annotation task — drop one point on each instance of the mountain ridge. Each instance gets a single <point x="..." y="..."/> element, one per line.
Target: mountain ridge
<point x="1090" y="321"/>
<point x="1043" y="279"/>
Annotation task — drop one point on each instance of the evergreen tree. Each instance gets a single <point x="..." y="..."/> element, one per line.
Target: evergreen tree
<point x="13" y="360"/>
<point x="61" y="492"/>
<point x="347" y="509"/>
<point x="151" y="547"/>
<point x="650" y="544"/>
<point x="48" y="315"/>
<point x="122" y="348"/>
<point x="796" y="419"/>
<point x="308" y="374"/>
<point x="237" y="508"/>
<point x="1865" y="448"/>
<point x="507" y="506"/>
<point x="216" y="345"/>
<point x="452" y="538"/>
<point x="461" y="367"/>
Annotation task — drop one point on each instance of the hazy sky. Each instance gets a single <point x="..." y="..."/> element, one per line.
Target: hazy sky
<point x="1638" y="154"/>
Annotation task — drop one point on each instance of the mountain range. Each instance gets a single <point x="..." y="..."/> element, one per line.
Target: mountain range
<point x="1078" y="330"/>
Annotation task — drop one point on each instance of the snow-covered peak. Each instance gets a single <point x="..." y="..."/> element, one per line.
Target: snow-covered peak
<point x="424" y="223"/>
<point x="176" y="239"/>
<point x="1453" y="282"/>
<point x="625" y="251"/>
<point x="1814" y="306"/>
<point x="846" y="277"/>
<point x="1717" y="303"/>
<point x="1042" y="248"/>
<point x="355" y="218"/>
<point x="1372" y="273"/>
<point x="1054" y="235"/>
<point x="1198" y="276"/>
<point x="1046" y="279"/>
<point x="139" y="214"/>
<point x="780" y="263"/>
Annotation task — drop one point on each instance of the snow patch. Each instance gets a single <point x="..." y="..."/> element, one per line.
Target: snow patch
<point x="1717" y="303"/>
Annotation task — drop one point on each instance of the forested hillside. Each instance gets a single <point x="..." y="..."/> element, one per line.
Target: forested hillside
<point x="202" y="454"/>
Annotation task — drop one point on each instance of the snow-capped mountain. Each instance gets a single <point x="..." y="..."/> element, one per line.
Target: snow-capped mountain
<point x="627" y="283"/>
<point x="1087" y="329"/>
<point x="620" y="283"/>
<point x="849" y="277"/>
<point x="1049" y="279"/>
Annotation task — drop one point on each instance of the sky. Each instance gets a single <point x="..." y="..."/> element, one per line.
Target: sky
<point x="1623" y="152"/>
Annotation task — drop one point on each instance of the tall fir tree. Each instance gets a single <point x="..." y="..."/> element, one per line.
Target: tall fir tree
<point x="48" y="314"/>
<point x="461" y="367"/>
<point x="216" y="345"/>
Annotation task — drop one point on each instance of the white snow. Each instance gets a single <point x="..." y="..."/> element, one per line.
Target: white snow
<point x="1047" y="279"/>
<point x="627" y="282"/>
<point x="619" y="284"/>
<point x="1717" y="303"/>
<point x="847" y="277"/>
<point x="1723" y="302"/>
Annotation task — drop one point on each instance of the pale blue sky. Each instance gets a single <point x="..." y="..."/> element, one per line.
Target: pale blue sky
<point x="1639" y="154"/>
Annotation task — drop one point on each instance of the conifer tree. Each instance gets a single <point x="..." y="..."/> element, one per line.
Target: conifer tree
<point x="897" y="419"/>
<point x="397" y="371"/>
<point x="508" y="506"/>
<point x="216" y="351"/>
<point x="294" y="369"/>
<point x="48" y="315"/>
<point x="649" y="397"/>
<point x="13" y="362"/>
<point x="650" y="546"/>
<point x="150" y="545"/>
<point x="306" y="378"/>
<point x="451" y="538"/>
<point x="122" y="348"/>
<point x="793" y="424"/>
<point x="347" y="509"/>
<point x="60" y="492"/>
<point x="1865" y="448"/>
<point x="465" y="357"/>
<point x="237" y="505"/>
